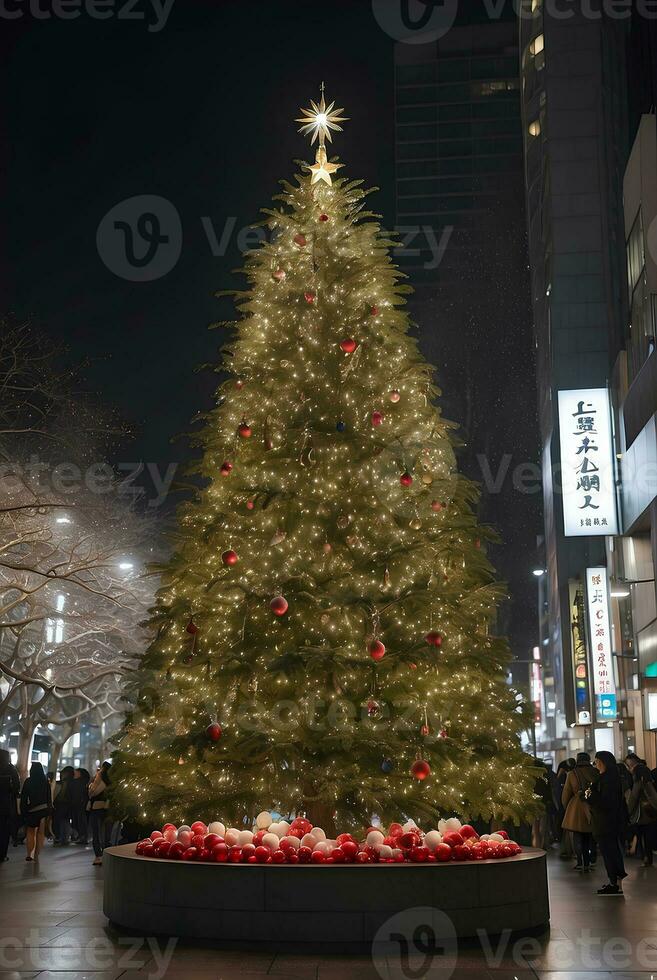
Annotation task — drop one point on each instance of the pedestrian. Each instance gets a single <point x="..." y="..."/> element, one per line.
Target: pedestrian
<point x="36" y="804"/>
<point x="566" y="843"/>
<point x="79" y="800"/>
<point x="642" y="807"/>
<point x="97" y="808"/>
<point x="577" y="818"/>
<point x="62" y="807"/>
<point x="609" y="817"/>
<point x="542" y="790"/>
<point x="9" y="790"/>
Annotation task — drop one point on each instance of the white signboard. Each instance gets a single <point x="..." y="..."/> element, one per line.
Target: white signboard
<point x="602" y="672"/>
<point x="587" y="462"/>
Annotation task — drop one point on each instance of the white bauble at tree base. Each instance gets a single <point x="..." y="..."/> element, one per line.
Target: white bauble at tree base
<point x="451" y="824"/>
<point x="433" y="839"/>
<point x="318" y="833"/>
<point x="409" y="825"/>
<point x="272" y="841"/>
<point x="375" y="837"/>
<point x="308" y="841"/>
<point x="217" y="827"/>
<point x="279" y="829"/>
<point x="397" y="852"/>
<point x="264" y="820"/>
<point x="497" y="838"/>
<point x="323" y="846"/>
<point x="294" y="841"/>
<point x="245" y="837"/>
<point x="232" y="836"/>
<point x="183" y="830"/>
<point x="385" y="851"/>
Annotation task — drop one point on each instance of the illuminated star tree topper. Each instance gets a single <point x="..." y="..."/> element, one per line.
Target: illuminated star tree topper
<point x="318" y="122"/>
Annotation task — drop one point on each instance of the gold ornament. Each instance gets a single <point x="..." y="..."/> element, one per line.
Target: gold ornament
<point x="320" y="119"/>
<point x="321" y="169"/>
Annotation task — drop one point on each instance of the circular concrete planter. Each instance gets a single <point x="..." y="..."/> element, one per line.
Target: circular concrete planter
<point x="341" y="905"/>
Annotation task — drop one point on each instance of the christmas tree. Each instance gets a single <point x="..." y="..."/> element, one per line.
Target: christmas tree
<point x="323" y="630"/>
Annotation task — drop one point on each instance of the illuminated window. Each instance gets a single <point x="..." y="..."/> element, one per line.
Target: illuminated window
<point x="534" y="128"/>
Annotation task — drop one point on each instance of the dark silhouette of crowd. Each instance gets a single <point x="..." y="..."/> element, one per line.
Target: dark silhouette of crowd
<point x="67" y="810"/>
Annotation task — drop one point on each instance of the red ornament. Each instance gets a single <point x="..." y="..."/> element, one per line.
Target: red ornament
<point x="349" y="849"/>
<point x="477" y="543"/>
<point x="442" y="733"/>
<point x="250" y="505"/>
<point x="323" y="217"/>
<point x="434" y="639"/>
<point x="348" y="345"/>
<point x="421" y="769"/>
<point x="443" y="852"/>
<point x="229" y="557"/>
<point x="373" y="708"/>
<point x="226" y="467"/>
<point x="436" y="506"/>
<point x="245" y="430"/>
<point x="377" y="650"/>
<point x="262" y="854"/>
<point x="424" y="730"/>
<point x="300" y="240"/>
<point x="377" y="418"/>
<point x="406" y="479"/>
<point x="192" y="627"/>
<point x="279" y="605"/>
<point x="467" y="831"/>
<point x="213" y="732"/>
<point x="309" y="297"/>
<point x="239" y="385"/>
<point x="394" y="396"/>
<point x="279" y="275"/>
<point x="453" y="838"/>
<point x="374" y="311"/>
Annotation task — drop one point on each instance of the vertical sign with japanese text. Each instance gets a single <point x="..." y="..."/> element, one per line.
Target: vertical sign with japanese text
<point x="587" y="462"/>
<point x="604" y="685"/>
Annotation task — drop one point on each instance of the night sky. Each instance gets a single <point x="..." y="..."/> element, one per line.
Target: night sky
<point x="200" y="113"/>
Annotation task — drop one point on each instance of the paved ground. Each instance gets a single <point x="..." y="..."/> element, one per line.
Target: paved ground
<point x="51" y="925"/>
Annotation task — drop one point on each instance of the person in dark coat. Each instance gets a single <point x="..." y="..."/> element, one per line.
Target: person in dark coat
<point x="62" y="807"/>
<point x="9" y="790"/>
<point x="640" y="803"/>
<point x="36" y="803"/>
<point x="79" y="799"/>
<point x="608" y="819"/>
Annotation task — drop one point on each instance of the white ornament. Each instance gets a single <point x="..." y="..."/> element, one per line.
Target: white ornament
<point x="271" y="841"/>
<point x="232" y="836"/>
<point x="318" y="833"/>
<point x="433" y="839"/>
<point x="323" y="846"/>
<point x="217" y="827"/>
<point x="453" y="824"/>
<point x="397" y="852"/>
<point x="183" y="830"/>
<point x="384" y="851"/>
<point x="280" y="829"/>
<point x="485" y="837"/>
<point x="308" y="841"/>
<point x="285" y="825"/>
<point x="263" y="820"/>
<point x="375" y="837"/>
<point x="245" y="837"/>
<point x="409" y="825"/>
<point x="497" y="837"/>
<point x="294" y="841"/>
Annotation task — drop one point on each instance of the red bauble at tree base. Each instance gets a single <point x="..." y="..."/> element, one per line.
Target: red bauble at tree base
<point x="213" y="732"/>
<point x="279" y="605"/>
<point x="377" y="650"/>
<point x="434" y="639"/>
<point x="421" y="769"/>
<point x="406" y="479"/>
<point x="348" y="345"/>
<point x="226" y="468"/>
<point x="229" y="557"/>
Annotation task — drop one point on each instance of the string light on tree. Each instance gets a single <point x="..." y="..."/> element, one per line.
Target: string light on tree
<point x="313" y="471"/>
